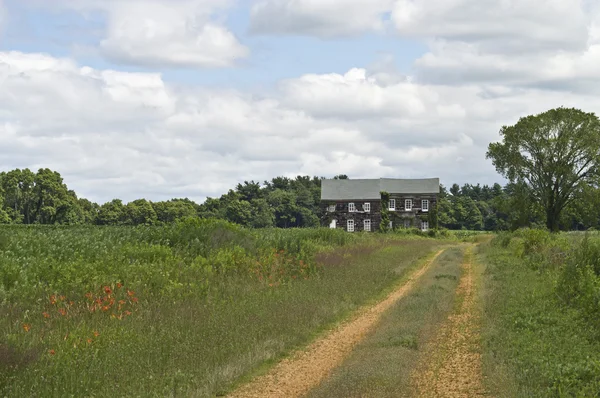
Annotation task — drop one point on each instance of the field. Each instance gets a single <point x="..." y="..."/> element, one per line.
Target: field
<point x="189" y="309"/>
<point x="201" y="308"/>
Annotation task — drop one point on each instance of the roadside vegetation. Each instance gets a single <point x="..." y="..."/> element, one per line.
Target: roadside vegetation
<point x="542" y="314"/>
<point x="192" y="308"/>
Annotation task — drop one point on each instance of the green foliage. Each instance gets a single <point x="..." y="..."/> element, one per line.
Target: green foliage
<point x="535" y="344"/>
<point x="384" y="226"/>
<point x="555" y="153"/>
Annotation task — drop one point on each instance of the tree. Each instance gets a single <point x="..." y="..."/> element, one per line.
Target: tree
<point x="554" y="153"/>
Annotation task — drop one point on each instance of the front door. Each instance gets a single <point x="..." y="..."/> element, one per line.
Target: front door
<point x="333" y="224"/>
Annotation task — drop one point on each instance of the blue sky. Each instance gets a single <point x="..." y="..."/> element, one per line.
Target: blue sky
<point x="164" y="98"/>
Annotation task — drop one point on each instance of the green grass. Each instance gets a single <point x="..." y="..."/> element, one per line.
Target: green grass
<point x="215" y="303"/>
<point x="381" y="365"/>
<point x="534" y="345"/>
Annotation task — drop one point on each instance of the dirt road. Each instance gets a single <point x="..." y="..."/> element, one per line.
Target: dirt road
<point x="451" y="366"/>
<point x="299" y="373"/>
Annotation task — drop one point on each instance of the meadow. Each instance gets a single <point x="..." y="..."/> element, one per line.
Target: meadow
<point x="542" y="314"/>
<point x="193" y="308"/>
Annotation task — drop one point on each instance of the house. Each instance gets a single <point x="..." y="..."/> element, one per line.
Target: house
<point x="356" y="205"/>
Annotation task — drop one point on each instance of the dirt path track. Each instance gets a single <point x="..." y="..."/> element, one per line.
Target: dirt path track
<point x="452" y="367"/>
<point x="304" y="370"/>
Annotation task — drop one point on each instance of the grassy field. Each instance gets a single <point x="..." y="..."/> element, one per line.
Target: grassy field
<point x="381" y="365"/>
<point x="542" y="303"/>
<point x="188" y="309"/>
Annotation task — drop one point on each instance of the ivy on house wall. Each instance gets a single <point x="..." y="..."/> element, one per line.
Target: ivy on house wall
<point x="384" y="226"/>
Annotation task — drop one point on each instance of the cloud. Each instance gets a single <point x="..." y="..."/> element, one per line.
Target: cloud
<point x="131" y="135"/>
<point x="321" y="18"/>
<point x="163" y="33"/>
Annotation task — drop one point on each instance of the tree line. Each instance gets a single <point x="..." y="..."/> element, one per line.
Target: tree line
<point x="43" y="198"/>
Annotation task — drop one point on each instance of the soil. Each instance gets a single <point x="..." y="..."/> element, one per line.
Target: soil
<point x="302" y="371"/>
<point x="452" y="363"/>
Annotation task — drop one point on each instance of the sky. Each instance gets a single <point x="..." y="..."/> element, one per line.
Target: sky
<point x="162" y="99"/>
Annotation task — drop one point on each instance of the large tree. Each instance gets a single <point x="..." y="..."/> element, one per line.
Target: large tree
<point x="554" y="153"/>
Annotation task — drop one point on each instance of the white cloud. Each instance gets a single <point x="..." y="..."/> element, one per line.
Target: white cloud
<point x="322" y="18"/>
<point x="130" y="135"/>
<point x="175" y="33"/>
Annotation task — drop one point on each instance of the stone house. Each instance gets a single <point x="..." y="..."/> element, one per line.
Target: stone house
<point x="356" y="205"/>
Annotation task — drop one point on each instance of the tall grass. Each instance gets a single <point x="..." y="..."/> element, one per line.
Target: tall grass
<point x="183" y="309"/>
<point x="542" y="311"/>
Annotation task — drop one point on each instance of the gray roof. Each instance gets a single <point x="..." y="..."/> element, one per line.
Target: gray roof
<point x="371" y="189"/>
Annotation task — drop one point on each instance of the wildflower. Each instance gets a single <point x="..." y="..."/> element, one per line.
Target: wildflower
<point x="89" y="295"/>
<point x="53" y="299"/>
<point x="135" y="299"/>
<point x="96" y="334"/>
<point x="121" y="302"/>
<point x="62" y="298"/>
<point x="107" y="290"/>
<point x="105" y="308"/>
<point x="89" y="341"/>
<point x="119" y="285"/>
<point x="62" y="311"/>
<point x="130" y="293"/>
<point x="51" y="352"/>
<point x="127" y="312"/>
<point x="46" y="315"/>
<point x="26" y="327"/>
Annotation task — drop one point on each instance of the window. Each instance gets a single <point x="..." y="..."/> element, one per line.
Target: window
<point x="392" y="204"/>
<point x="368" y="225"/>
<point x="408" y="204"/>
<point x="424" y="205"/>
<point x="351" y="207"/>
<point x="331" y="208"/>
<point x="367" y="207"/>
<point x="424" y="225"/>
<point x="333" y="224"/>
<point x="350" y="225"/>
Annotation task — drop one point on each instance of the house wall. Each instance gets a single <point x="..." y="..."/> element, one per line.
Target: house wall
<point x="342" y="215"/>
<point x="398" y="217"/>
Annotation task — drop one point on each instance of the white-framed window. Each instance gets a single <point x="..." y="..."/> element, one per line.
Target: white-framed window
<point x="406" y="223"/>
<point x="331" y="208"/>
<point x="408" y="204"/>
<point x="367" y="226"/>
<point x="333" y="224"/>
<point x="424" y="225"/>
<point x="350" y="226"/>
<point x="351" y="207"/>
<point x="424" y="205"/>
<point x="392" y="205"/>
<point x="367" y="207"/>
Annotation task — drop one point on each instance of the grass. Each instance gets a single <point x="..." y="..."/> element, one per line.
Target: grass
<point x="534" y="345"/>
<point x="381" y="365"/>
<point x="192" y="309"/>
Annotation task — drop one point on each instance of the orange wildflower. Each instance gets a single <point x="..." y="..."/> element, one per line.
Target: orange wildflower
<point x="135" y="299"/>
<point x="107" y="290"/>
<point x="105" y="308"/>
<point x="51" y="352"/>
<point x="26" y="327"/>
<point x="96" y="334"/>
<point x="130" y="293"/>
<point x="89" y="341"/>
<point x="71" y="303"/>
<point x="119" y="285"/>
<point x="127" y="312"/>
<point x="46" y="315"/>
<point x="62" y="298"/>
<point x="53" y="299"/>
<point x="89" y="295"/>
<point x="121" y="302"/>
<point x="62" y="311"/>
